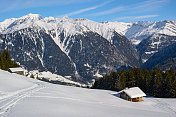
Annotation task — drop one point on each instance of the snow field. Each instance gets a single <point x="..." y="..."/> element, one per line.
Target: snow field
<point x="40" y="99"/>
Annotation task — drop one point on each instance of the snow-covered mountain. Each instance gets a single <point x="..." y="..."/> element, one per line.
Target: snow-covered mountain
<point x="138" y="31"/>
<point x="25" y="97"/>
<point x="79" y="48"/>
<point x="149" y="37"/>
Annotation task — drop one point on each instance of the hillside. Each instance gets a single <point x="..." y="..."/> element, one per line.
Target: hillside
<point x="21" y="96"/>
<point x="153" y="44"/>
<point x="164" y="59"/>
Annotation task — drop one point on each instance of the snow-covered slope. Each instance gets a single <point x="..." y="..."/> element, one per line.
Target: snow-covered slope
<point x="138" y="31"/>
<point x="50" y="77"/>
<point x="21" y="96"/>
<point x="12" y="83"/>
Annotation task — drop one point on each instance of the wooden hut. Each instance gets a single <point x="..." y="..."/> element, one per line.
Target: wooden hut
<point x="17" y="70"/>
<point x="133" y="94"/>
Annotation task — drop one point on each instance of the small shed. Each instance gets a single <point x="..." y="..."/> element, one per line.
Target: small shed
<point x="17" y="70"/>
<point x="133" y="94"/>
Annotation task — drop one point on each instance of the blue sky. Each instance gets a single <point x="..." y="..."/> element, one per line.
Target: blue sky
<point x="97" y="10"/>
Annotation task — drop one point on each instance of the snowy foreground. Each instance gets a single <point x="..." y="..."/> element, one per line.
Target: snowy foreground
<point x="25" y="97"/>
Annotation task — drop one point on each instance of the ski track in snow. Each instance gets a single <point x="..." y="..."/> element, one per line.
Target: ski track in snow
<point x="163" y="105"/>
<point x="12" y="99"/>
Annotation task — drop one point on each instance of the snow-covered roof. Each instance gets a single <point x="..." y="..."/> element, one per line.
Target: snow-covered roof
<point x="134" y="92"/>
<point x="16" y="69"/>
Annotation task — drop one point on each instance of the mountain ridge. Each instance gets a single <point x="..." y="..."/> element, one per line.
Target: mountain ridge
<point x="80" y="48"/>
<point x="133" y="30"/>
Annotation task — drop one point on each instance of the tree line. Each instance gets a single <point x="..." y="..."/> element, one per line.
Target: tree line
<point x="6" y="61"/>
<point x="153" y="82"/>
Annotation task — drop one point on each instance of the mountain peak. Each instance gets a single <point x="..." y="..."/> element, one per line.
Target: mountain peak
<point x="65" y="17"/>
<point x="32" y="16"/>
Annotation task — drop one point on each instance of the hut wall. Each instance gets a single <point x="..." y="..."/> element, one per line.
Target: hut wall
<point x="124" y="96"/>
<point x="138" y="99"/>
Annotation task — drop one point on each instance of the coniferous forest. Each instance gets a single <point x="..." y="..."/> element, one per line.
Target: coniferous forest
<point x="153" y="82"/>
<point x="6" y="61"/>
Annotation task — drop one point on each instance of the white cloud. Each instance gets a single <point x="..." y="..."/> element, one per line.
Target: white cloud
<point x="110" y="11"/>
<point x="9" y="5"/>
<point x="86" y="9"/>
<point x="145" y="16"/>
<point x="148" y="5"/>
<point x="135" y="17"/>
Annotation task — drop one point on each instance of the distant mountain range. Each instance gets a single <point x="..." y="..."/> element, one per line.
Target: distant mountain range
<point x="81" y="48"/>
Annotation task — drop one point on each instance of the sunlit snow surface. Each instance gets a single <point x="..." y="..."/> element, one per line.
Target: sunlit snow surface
<point x="26" y="97"/>
<point x="54" y="77"/>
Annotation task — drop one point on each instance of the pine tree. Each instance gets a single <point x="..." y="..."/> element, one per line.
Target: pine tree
<point x="1" y="62"/>
<point x="158" y="84"/>
<point x="153" y="82"/>
<point x="173" y="89"/>
<point x="123" y="81"/>
<point x="5" y="60"/>
<point x="168" y="84"/>
<point x="147" y="79"/>
<point x="112" y="79"/>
